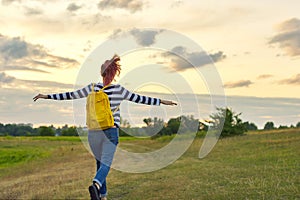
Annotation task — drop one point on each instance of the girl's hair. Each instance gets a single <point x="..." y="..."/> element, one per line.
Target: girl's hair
<point x="110" y="69"/>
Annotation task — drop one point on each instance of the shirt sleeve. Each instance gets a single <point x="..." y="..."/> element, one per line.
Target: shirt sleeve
<point x="130" y="96"/>
<point x="81" y="93"/>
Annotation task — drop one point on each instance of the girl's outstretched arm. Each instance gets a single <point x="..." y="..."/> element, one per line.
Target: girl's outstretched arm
<point x="130" y="96"/>
<point x="169" y="103"/>
<point x="81" y="93"/>
<point x="40" y="96"/>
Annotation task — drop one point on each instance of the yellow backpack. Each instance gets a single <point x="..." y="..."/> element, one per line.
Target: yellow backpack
<point x="98" y="112"/>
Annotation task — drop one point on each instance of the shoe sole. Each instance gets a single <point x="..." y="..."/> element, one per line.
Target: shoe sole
<point x="94" y="193"/>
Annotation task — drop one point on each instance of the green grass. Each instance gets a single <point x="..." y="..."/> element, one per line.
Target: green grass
<point x="14" y="151"/>
<point x="10" y="155"/>
<point x="17" y="152"/>
<point x="255" y="166"/>
<point x="259" y="165"/>
<point x="61" y="138"/>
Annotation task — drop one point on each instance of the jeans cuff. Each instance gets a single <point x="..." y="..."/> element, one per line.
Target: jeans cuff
<point x="96" y="180"/>
<point x="103" y="195"/>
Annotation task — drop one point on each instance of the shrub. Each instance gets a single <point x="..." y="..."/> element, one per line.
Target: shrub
<point x="269" y="126"/>
<point x="233" y="125"/>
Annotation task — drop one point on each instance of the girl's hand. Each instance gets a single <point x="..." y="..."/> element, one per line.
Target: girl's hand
<point x="40" y="96"/>
<point x="166" y="102"/>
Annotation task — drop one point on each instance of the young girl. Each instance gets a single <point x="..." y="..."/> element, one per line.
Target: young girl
<point x="103" y="143"/>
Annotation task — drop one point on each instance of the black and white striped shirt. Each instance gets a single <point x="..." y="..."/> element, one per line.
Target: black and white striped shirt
<point x="116" y="94"/>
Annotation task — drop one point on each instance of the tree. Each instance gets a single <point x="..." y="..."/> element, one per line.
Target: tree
<point x="45" y="131"/>
<point x="269" y="126"/>
<point x="283" y="127"/>
<point x="11" y="129"/>
<point x="124" y="127"/>
<point x="70" y="131"/>
<point x="58" y="132"/>
<point x="124" y="123"/>
<point x="298" y="125"/>
<point x="233" y="125"/>
<point x="1" y="128"/>
<point x="148" y="121"/>
<point x="250" y="126"/>
<point x="154" y="126"/>
<point x="173" y="124"/>
<point x="189" y="124"/>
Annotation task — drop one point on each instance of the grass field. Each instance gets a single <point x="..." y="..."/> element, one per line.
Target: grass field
<point x="260" y="165"/>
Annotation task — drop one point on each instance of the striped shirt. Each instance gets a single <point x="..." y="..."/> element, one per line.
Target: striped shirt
<point x="116" y="94"/>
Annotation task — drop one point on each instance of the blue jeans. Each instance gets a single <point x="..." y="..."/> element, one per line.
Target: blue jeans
<point x="103" y="144"/>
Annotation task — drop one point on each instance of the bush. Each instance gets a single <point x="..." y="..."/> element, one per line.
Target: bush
<point x="250" y="126"/>
<point x="283" y="127"/>
<point x="233" y="125"/>
<point x="45" y="131"/>
<point x="269" y="126"/>
<point x="70" y="131"/>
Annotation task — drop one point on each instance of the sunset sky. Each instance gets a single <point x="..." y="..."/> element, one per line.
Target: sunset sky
<point x="43" y="44"/>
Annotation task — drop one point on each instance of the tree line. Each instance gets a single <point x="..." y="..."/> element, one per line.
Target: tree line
<point x="270" y="126"/>
<point x="224" y="119"/>
<point x="154" y="127"/>
<point x="28" y="130"/>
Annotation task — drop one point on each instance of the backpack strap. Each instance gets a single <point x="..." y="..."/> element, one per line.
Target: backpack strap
<point x="104" y="87"/>
<point x="117" y="108"/>
<point x="93" y="86"/>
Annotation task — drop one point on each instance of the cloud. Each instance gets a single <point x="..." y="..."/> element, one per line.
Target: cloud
<point x="59" y="59"/>
<point x="241" y="83"/>
<point x="176" y="3"/>
<point x="20" y="68"/>
<point x="73" y="7"/>
<point x="5" y="78"/>
<point x="8" y="2"/>
<point x="33" y="11"/>
<point x="46" y="84"/>
<point x="15" y="48"/>
<point x="181" y="59"/>
<point x="264" y="76"/>
<point x="88" y="46"/>
<point x="17" y="106"/>
<point x="216" y="57"/>
<point x="295" y="80"/>
<point x="26" y="56"/>
<point x="131" y="5"/>
<point x="116" y="33"/>
<point x="288" y="37"/>
<point x="144" y="37"/>
<point x="94" y="21"/>
<point x="41" y="63"/>
<point x="29" y="84"/>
